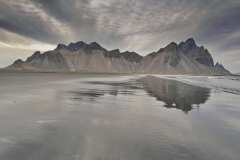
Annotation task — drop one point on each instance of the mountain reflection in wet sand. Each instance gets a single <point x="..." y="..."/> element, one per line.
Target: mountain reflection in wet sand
<point x="115" y="117"/>
<point x="173" y="93"/>
<point x="176" y="94"/>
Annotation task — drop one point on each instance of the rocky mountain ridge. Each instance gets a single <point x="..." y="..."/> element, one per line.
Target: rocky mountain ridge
<point x="183" y="58"/>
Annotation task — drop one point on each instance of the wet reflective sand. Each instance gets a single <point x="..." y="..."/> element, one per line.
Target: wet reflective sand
<point x="175" y="94"/>
<point x="110" y="117"/>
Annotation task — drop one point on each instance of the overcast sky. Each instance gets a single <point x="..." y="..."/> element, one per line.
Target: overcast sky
<point x="136" y="25"/>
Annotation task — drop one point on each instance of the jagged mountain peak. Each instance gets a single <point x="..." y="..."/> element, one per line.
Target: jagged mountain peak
<point x="170" y="47"/>
<point x="76" y="46"/>
<point x="115" y="51"/>
<point x="35" y="55"/>
<point x="61" y="46"/>
<point x="219" y="65"/>
<point x="186" y="53"/>
<point x="188" y="44"/>
<point x="190" y="41"/>
<point x="182" y="58"/>
<point x="184" y="46"/>
<point x="80" y="45"/>
<point x="198" y="53"/>
<point x="18" y="61"/>
<point x="129" y="52"/>
<point x="95" y="45"/>
<point x="132" y="56"/>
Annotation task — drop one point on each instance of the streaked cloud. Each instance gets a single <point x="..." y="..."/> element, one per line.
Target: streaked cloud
<point x="139" y="25"/>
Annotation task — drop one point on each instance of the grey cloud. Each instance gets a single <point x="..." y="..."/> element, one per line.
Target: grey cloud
<point x="220" y="24"/>
<point x="140" y="25"/>
<point x="20" y="19"/>
<point x="115" y="22"/>
<point x="76" y="14"/>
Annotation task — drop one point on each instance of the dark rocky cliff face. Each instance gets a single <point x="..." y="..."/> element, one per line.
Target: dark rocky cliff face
<point x="183" y="58"/>
<point x="220" y="68"/>
<point x="200" y="54"/>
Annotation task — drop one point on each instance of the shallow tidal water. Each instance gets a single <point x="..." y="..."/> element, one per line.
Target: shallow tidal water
<point x="115" y="117"/>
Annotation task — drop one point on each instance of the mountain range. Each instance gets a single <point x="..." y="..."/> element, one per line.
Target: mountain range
<point x="183" y="58"/>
